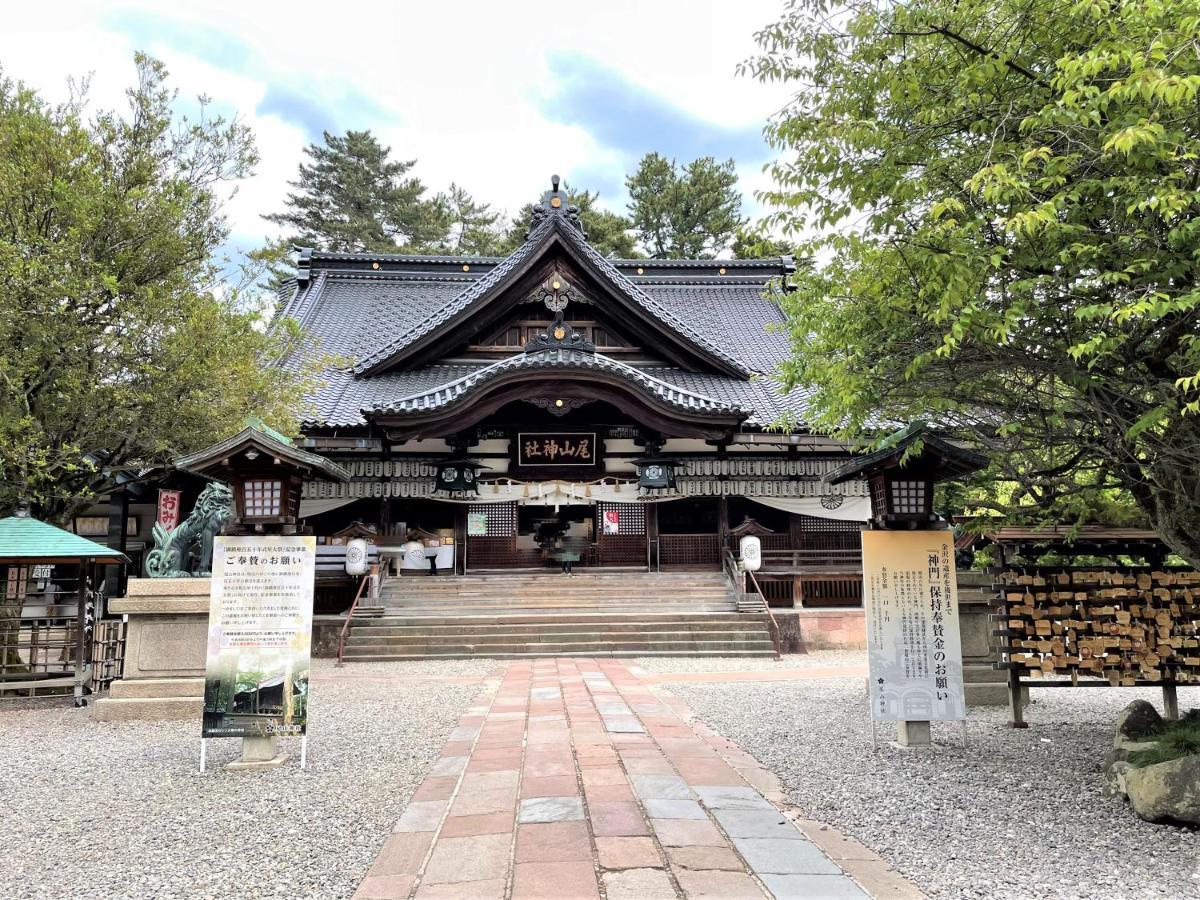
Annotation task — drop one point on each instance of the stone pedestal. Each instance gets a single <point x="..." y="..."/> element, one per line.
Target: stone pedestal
<point x="911" y="735"/>
<point x="258" y="753"/>
<point x="165" y="644"/>
<point x="983" y="683"/>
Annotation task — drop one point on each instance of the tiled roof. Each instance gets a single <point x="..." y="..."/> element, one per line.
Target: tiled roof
<point x="342" y="398"/>
<point x="559" y="359"/>
<point x="368" y="308"/>
<point x="461" y="304"/>
<point x="23" y="537"/>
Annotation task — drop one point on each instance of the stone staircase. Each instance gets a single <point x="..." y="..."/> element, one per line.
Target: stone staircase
<point x="590" y="613"/>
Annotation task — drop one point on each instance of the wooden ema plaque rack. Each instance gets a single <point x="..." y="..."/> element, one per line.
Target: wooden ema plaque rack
<point x="1113" y="628"/>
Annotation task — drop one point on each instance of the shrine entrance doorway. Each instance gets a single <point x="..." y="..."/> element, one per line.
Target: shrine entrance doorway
<point x="514" y="535"/>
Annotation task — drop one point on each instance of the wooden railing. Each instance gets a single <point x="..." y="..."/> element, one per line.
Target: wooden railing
<point x="798" y="562"/>
<point x="773" y="625"/>
<point x="376" y="577"/>
<point x="742" y="582"/>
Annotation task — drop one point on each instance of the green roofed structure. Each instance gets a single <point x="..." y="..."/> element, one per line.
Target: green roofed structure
<point x="47" y="605"/>
<point x="26" y="539"/>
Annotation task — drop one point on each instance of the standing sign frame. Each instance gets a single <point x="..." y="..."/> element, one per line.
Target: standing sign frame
<point x="910" y="595"/>
<point x="259" y="643"/>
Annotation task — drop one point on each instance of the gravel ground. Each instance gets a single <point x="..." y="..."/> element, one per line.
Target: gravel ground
<point x="91" y="809"/>
<point x="1017" y="814"/>
<point x="813" y="660"/>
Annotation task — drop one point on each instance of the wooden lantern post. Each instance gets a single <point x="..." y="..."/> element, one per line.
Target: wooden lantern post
<point x="901" y="477"/>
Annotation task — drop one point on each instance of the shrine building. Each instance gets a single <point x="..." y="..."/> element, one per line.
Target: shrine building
<point x="623" y="414"/>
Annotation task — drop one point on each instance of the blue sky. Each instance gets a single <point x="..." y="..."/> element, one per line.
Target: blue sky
<point x="495" y="97"/>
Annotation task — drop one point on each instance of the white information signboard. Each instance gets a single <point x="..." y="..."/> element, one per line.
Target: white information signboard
<point x="910" y="590"/>
<point x="259" y="636"/>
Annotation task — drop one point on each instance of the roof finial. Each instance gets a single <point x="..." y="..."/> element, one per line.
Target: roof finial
<point x="22" y="510"/>
<point x="554" y="202"/>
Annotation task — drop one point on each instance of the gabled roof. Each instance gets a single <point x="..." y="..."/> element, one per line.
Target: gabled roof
<point x="565" y="360"/>
<point x="554" y="230"/>
<point x="717" y="324"/>
<point x="24" y="537"/>
<point x="938" y="456"/>
<point x="269" y="441"/>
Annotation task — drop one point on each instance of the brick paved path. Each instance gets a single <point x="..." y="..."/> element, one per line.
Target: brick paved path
<point x="578" y="777"/>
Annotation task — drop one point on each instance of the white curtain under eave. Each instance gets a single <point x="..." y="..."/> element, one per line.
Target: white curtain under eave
<point x="853" y="509"/>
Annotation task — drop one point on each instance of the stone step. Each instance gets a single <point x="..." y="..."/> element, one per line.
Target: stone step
<point x="558" y="628"/>
<point x="156" y="688"/>
<point x="393" y="619"/>
<point x="566" y="590"/>
<point x="398" y="657"/>
<point x="549" y="637"/>
<point x="109" y="709"/>
<point x="597" y="647"/>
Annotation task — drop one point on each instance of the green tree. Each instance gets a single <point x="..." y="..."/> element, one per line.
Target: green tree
<point x="351" y="196"/>
<point x="473" y="229"/>
<point x="1007" y="195"/>
<point x="755" y="243"/>
<point x="688" y="212"/>
<point x="606" y="231"/>
<point x="120" y="345"/>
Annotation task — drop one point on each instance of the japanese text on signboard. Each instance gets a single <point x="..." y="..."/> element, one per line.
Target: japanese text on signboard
<point x="914" y="651"/>
<point x="545" y="449"/>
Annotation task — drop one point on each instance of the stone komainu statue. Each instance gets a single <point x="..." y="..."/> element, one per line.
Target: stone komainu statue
<point x="172" y="549"/>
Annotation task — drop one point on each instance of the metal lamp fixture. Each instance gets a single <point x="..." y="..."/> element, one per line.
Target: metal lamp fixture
<point x="458" y="476"/>
<point x="656" y="472"/>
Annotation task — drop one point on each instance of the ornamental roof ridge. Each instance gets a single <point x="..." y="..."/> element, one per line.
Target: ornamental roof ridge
<point x="648" y="303"/>
<point x="459" y="303"/>
<point x="364" y="255"/>
<point x="567" y="358"/>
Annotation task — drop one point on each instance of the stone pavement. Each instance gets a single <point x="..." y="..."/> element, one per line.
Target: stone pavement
<point x="577" y="779"/>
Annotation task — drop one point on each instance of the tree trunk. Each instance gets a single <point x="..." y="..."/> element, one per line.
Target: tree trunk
<point x="1168" y="489"/>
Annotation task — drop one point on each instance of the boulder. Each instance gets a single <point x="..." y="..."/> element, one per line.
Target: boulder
<point x="1138" y="721"/>
<point x="1114" y="779"/>
<point x="1167" y="791"/>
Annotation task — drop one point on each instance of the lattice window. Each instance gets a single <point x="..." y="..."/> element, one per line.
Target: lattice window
<point x="631" y="518"/>
<point x="501" y="518"/>
<point x="263" y="498"/>
<point x="908" y="497"/>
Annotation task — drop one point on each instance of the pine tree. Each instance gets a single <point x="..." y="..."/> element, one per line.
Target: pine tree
<point x="473" y="226"/>
<point x="608" y="232"/>
<point x="687" y="212"/>
<point x="350" y="196"/>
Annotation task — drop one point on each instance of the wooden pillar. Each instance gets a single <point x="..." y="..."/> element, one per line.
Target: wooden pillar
<point x="118" y="517"/>
<point x="385" y="515"/>
<point x="460" y="538"/>
<point x="1016" y="699"/>
<point x="1170" y="702"/>
<point x="80" y="632"/>
<point x="723" y="523"/>
<point x="652" y="555"/>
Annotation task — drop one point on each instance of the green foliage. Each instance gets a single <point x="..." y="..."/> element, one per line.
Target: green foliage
<point x="473" y="230"/>
<point x="755" y="243"/>
<point x="688" y="212"/>
<point x="1007" y="200"/>
<point x="606" y="231"/>
<point x="1176" y="740"/>
<point x="120" y="347"/>
<point x="351" y="196"/>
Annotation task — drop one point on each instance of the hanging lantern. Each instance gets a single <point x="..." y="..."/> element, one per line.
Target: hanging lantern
<point x="458" y="476"/>
<point x="656" y="472"/>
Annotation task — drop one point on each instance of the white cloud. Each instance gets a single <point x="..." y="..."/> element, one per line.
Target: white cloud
<point x="462" y="87"/>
